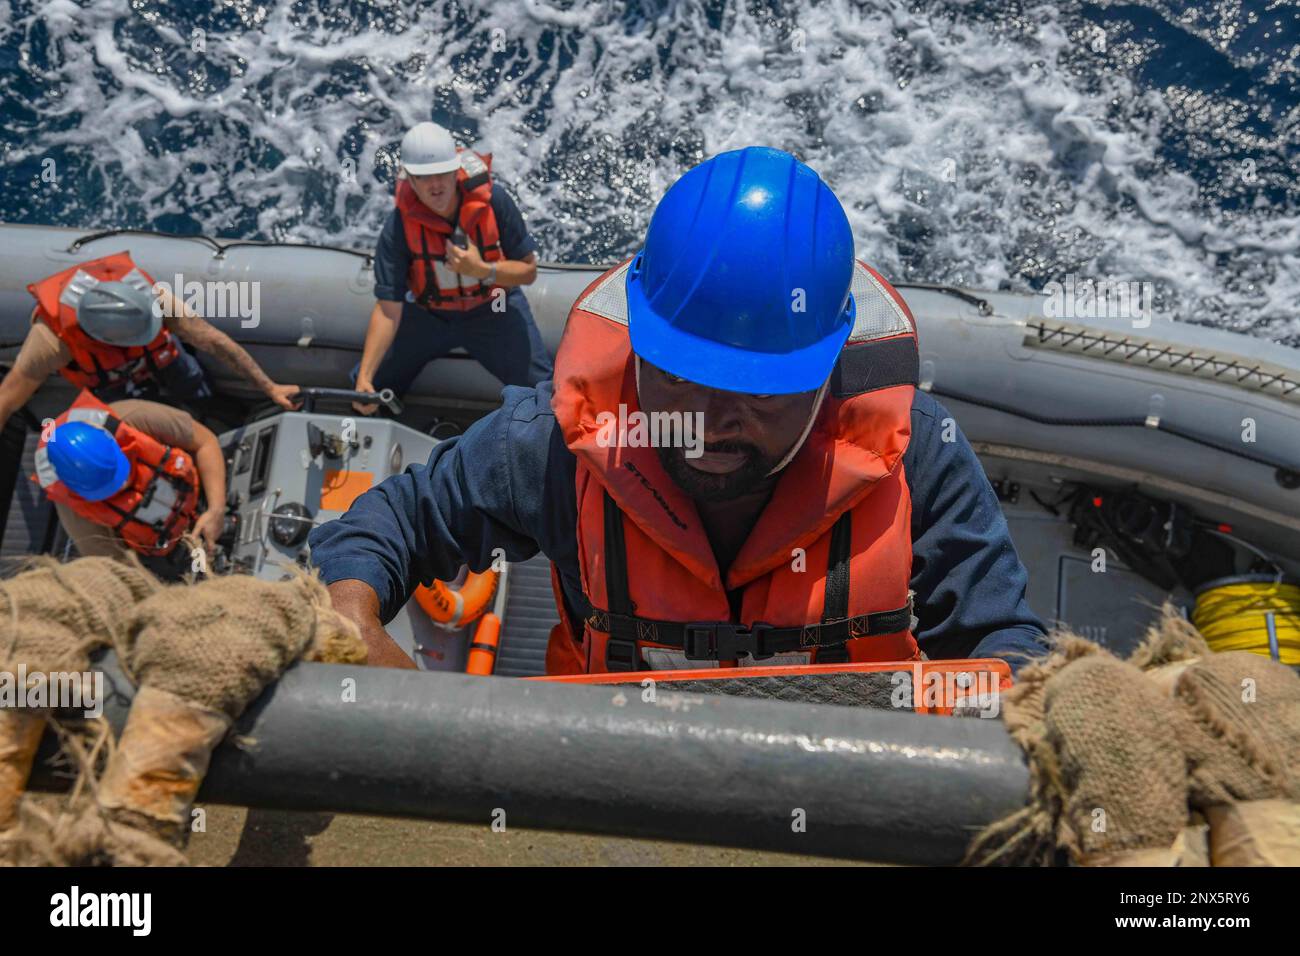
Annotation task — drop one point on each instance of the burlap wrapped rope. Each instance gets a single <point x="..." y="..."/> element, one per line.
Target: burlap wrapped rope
<point x="1242" y="740"/>
<point x="1123" y="773"/>
<point x="1111" y="745"/>
<point x="1029" y="836"/>
<point x="52" y="617"/>
<point x="1237" y="701"/>
<point x="1170" y="646"/>
<point x="1244" y="721"/>
<point x="219" y="643"/>
<point x="201" y="654"/>
<point x="20" y="736"/>
<point x="1107" y="777"/>
<point x="1241" y="735"/>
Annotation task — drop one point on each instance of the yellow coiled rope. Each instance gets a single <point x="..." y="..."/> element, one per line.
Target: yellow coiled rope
<point x="1232" y="616"/>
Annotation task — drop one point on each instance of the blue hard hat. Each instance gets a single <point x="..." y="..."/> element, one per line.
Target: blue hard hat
<point x="743" y="283"/>
<point x="88" y="460"/>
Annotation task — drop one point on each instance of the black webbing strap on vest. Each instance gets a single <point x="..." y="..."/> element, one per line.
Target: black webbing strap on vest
<point x="620" y="652"/>
<point x="835" y="607"/>
<point x="474" y="182"/>
<point x="494" y="247"/>
<point x="725" y="640"/>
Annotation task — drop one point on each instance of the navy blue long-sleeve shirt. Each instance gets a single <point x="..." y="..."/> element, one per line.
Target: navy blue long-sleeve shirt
<point x="508" y="483"/>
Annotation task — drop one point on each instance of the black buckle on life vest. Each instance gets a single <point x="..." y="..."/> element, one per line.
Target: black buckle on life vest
<point x="621" y="655"/>
<point x="724" y="641"/>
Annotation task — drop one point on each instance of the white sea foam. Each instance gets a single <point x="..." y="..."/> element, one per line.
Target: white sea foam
<point x="966" y="151"/>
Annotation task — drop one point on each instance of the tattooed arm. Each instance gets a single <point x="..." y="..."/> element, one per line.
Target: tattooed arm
<point x="206" y="337"/>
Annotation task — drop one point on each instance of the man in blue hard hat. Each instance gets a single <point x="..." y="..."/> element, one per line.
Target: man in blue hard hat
<point x="733" y="465"/>
<point x="133" y="476"/>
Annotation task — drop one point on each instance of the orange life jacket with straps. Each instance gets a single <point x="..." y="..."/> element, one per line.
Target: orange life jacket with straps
<point x="97" y="364"/>
<point x="430" y="280"/>
<point x="159" y="501"/>
<point x="824" y="574"/>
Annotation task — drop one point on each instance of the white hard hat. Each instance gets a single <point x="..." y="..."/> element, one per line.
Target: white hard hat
<point x="427" y="148"/>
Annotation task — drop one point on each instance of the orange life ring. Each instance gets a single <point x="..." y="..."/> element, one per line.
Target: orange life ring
<point x="454" y="607"/>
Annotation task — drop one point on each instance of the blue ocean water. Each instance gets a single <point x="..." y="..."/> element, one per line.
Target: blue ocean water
<point x="982" y="143"/>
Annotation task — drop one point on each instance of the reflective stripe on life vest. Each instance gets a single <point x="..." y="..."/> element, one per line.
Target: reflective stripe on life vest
<point x="159" y="502"/>
<point x="824" y="572"/>
<point x="82" y="282"/>
<point x="97" y="364"/>
<point x="432" y="283"/>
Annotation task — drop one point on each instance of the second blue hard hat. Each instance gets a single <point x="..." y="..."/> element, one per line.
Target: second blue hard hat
<point x="743" y="282"/>
<point x="88" y="460"/>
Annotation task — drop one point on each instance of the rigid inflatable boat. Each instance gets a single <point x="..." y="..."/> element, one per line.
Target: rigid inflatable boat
<point x="1136" y="460"/>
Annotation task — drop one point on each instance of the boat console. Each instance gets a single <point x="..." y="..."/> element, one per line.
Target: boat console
<point x="291" y="471"/>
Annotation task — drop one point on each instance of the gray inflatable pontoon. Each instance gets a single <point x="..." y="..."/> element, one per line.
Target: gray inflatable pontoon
<point x="1188" y="437"/>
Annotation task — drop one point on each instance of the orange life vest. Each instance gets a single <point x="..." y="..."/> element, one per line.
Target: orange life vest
<point x="431" y="281"/>
<point x="159" y="501"/>
<point x="98" y="364"/>
<point x="824" y="573"/>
